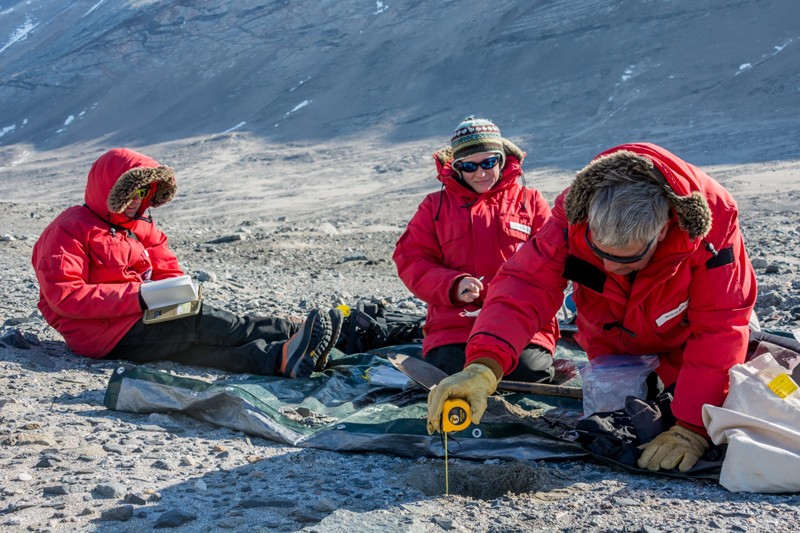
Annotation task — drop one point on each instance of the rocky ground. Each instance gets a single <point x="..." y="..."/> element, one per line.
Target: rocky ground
<point x="69" y="464"/>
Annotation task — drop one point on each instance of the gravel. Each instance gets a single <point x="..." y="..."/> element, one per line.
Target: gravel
<point x="69" y="464"/>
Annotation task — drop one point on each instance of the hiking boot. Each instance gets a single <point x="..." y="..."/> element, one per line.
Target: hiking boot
<point x="299" y="355"/>
<point x="337" y="319"/>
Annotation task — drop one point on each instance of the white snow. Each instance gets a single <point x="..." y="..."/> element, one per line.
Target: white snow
<point x="628" y="74"/>
<point x="236" y="127"/>
<point x="299" y="84"/>
<point x="380" y="7"/>
<point x="7" y="129"/>
<point x="19" y="34"/>
<point x="93" y="7"/>
<point x="69" y="120"/>
<point x="301" y="105"/>
<point x="764" y="57"/>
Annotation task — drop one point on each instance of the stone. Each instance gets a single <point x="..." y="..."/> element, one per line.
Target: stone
<point x="173" y="518"/>
<point x="123" y="513"/>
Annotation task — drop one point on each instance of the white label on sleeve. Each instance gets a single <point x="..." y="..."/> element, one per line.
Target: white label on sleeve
<point x="660" y="321"/>
<point x="520" y="227"/>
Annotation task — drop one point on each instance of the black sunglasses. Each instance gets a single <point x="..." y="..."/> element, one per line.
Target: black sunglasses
<point x="469" y="166"/>
<point x="616" y="258"/>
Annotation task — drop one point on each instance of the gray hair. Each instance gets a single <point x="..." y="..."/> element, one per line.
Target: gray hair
<point x="622" y="212"/>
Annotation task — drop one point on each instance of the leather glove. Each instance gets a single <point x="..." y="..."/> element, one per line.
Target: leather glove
<point x="676" y="446"/>
<point x="474" y="384"/>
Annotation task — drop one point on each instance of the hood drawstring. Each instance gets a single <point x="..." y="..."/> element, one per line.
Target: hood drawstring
<point x="113" y="228"/>
<point x="148" y="218"/>
<point x="441" y="198"/>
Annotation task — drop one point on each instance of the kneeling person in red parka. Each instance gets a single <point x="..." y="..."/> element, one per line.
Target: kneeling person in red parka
<point x="653" y="247"/>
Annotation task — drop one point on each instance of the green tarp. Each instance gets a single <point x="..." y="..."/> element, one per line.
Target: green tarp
<point x="343" y="410"/>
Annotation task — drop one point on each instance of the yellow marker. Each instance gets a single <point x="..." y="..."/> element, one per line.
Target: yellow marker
<point x="783" y="385"/>
<point x="455" y="417"/>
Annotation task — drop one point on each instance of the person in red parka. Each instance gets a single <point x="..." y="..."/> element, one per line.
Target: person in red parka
<point x="92" y="260"/>
<point x="656" y="257"/>
<point x="460" y="236"/>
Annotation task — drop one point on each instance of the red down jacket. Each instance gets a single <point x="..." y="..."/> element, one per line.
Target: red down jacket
<point x="91" y="259"/>
<point x="457" y="233"/>
<point x="690" y="304"/>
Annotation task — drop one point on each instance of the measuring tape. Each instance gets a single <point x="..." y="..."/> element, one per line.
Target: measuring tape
<point x="455" y="417"/>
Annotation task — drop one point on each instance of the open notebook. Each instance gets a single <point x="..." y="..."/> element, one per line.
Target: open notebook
<point x="171" y="298"/>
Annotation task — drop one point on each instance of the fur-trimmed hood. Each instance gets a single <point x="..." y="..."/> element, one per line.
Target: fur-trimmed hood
<point x="115" y="176"/>
<point x="644" y="162"/>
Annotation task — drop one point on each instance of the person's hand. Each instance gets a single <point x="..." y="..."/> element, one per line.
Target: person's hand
<point x="469" y="289"/>
<point x="474" y="384"/>
<point x="676" y="446"/>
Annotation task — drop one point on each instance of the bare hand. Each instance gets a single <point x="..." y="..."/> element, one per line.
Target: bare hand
<point x="469" y="289"/>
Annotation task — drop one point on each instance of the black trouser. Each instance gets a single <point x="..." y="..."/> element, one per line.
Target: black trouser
<point x="535" y="363"/>
<point x="213" y="338"/>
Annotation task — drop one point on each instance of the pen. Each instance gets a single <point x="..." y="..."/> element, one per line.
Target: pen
<point x="465" y="291"/>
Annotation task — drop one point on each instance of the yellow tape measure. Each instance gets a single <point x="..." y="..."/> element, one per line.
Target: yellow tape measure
<point x="455" y="415"/>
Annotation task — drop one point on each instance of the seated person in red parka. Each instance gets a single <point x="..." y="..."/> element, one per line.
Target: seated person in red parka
<point x="655" y="253"/>
<point x="92" y="260"/>
<point x="459" y="237"/>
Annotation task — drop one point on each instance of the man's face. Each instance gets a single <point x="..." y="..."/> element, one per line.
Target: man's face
<point x="622" y="260"/>
<point x="634" y="249"/>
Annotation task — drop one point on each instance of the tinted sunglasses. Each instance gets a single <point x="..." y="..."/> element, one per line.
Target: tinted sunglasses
<point x="616" y="258"/>
<point x="142" y="193"/>
<point x="469" y="166"/>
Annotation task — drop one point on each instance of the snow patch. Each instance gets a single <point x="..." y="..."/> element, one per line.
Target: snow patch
<point x="628" y="74"/>
<point x="7" y="129"/>
<point x="764" y="57"/>
<point x="299" y="84"/>
<point x="236" y="127"/>
<point x="20" y="33"/>
<point x="301" y="105"/>
<point x="380" y="7"/>
<point x="93" y="8"/>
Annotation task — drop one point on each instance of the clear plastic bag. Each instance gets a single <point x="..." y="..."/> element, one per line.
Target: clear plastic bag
<point x="609" y="379"/>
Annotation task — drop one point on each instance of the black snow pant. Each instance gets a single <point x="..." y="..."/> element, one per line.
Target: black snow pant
<point x="213" y="338"/>
<point x="535" y="363"/>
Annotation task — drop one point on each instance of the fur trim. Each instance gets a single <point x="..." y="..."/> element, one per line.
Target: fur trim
<point x="445" y="155"/>
<point x="120" y="196"/>
<point x="693" y="212"/>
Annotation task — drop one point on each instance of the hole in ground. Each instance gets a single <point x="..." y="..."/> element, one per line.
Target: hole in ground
<point x="480" y="481"/>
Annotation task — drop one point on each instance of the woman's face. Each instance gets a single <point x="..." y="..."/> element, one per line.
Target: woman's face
<point x="482" y="179"/>
<point x="133" y="207"/>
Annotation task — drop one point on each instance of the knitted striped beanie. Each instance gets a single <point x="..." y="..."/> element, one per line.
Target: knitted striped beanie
<point x="475" y="135"/>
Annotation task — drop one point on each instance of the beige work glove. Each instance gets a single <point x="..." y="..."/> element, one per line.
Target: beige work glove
<point x="676" y="446"/>
<point x="474" y="384"/>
